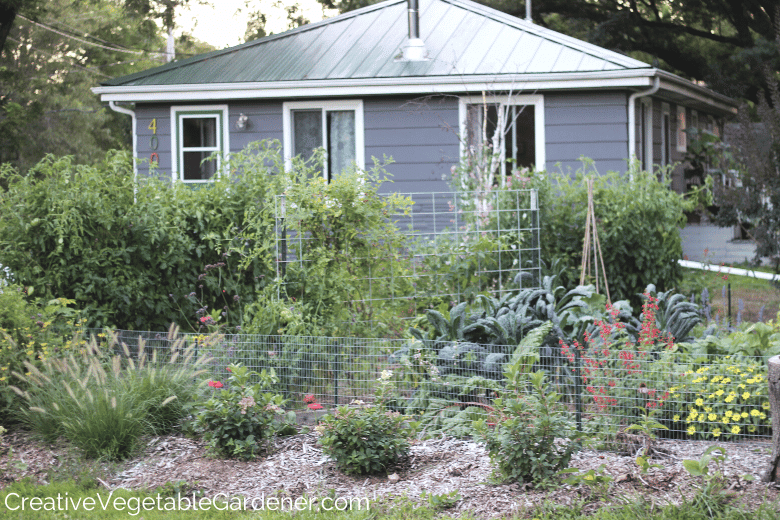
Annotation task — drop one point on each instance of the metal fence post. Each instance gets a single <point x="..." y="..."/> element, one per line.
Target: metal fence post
<point x="577" y="388"/>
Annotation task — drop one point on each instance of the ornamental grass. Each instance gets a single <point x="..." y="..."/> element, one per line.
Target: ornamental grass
<point x="104" y="398"/>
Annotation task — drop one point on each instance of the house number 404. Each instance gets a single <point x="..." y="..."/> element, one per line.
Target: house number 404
<point x="154" y="142"/>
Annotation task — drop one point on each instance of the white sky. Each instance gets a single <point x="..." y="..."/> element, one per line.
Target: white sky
<point x="223" y="23"/>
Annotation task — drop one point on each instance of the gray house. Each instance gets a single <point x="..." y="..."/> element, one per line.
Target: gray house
<point x="420" y="85"/>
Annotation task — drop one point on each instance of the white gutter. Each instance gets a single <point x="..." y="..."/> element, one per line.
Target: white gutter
<point x="130" y="113"/>
<point x="728" y="270"/>
<point x="632" y="115"/>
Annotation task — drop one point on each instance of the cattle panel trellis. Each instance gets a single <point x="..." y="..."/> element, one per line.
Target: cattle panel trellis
<point x="455" y="245"/>
<point x="695" y="396"/>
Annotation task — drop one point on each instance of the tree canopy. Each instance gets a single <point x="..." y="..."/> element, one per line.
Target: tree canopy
<point x="50" y="63"/>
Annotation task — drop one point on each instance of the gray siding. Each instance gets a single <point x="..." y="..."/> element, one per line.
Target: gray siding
<point x="265" y="122"/>
<point x="589" y="124"/>
<point x="421" y="137"/>
<point x="421" y="134"/>
<point x="144" y="115"/>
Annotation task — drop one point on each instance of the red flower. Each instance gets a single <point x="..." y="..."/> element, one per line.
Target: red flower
<point x="309" y="398"/>
<point x="215" y="384"/>
<point x="314" y="406"/>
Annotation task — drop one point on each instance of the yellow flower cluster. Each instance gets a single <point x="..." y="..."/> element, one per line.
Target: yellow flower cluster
<point x="726" y="398"/>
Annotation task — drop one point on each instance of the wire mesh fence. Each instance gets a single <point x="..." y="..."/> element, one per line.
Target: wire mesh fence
<point x="693" y="395"/>
<point x="454" y="245"/>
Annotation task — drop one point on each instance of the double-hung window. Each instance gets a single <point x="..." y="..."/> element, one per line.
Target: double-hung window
<point x="336" y="126"/>
<point x="198" y="132"/>
<point x="521" y="143"/>
<point x="682" y="126"/>
<point x="666" y="137"/>
<point x="645" y="148"/>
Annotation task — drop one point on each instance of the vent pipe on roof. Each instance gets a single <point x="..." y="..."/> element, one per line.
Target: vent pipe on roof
<point x="415" y="47"/>
<point x="528" y="11"/>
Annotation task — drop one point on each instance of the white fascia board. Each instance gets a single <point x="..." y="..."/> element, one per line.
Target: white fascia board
<point x="376" y="86"/>
<point x="672" y="83"/>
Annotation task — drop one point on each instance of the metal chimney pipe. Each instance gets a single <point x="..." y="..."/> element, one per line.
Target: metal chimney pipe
<point x="415" y="47"/>
<point x="528" y="11"/>
<point x="414" y="19"/>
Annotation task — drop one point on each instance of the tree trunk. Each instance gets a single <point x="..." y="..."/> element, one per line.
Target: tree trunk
<point x="7" y="16"/>
<point x="772" y="473"/>
<point x="170" y="51"/>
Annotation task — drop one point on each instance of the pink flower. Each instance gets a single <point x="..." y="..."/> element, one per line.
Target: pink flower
<point x="215" y="384"/>
<point x="309" y="398"/>
<point x="314" y="406"/>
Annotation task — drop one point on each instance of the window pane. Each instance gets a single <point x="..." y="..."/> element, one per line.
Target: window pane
<point x="307" y="132"/>
<point x="341" y="141"/>
<point x="523" y="137"/>
<point x="199" y="132"/>
<point x="194" y="170"/>
<point x="478" y="127"/>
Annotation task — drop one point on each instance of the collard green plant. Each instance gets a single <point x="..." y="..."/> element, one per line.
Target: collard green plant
<point x="676" y="315"/>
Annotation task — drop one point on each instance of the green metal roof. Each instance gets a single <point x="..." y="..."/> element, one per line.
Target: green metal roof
<point x="462" y="39"/>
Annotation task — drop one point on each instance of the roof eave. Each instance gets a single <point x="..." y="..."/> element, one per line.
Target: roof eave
<point x="377" y="86"/>
<point x="675" y="84"/>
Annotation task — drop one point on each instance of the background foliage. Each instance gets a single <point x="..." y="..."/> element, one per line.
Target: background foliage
<point x="74" y="231"/>
<point x="638" y="218"/>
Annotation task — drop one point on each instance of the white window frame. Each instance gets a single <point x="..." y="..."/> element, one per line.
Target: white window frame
<point x="682" y="126"/>
<point x="646" y="141"/>
<point x="665" y="144"/>
<point x="177" y="152"/>
<point x="715" y="126"/>
<point x="535" y="100"/>
<point x="325" y="106"/>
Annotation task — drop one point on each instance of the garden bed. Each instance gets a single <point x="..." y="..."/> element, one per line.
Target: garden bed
<point x="438" y="466"/>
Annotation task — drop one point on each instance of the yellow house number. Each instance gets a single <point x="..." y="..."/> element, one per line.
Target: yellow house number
<point x="154" y="142"/>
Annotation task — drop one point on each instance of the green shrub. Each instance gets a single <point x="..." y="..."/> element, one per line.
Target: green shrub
<point x="140" y="255"/>
<point x="102" y="403"/>
<point x="31" y="331"/>
<point x="639" y="219"/>
<point x="523" y="444"/>
<point x="241" y="416"/>
<point x="350" y="256"/>
<point x="367" y="438"/>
